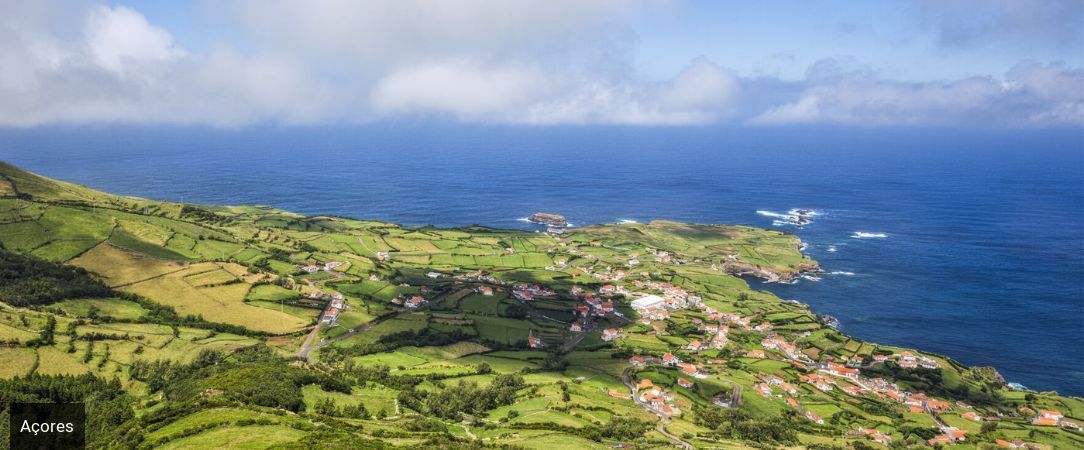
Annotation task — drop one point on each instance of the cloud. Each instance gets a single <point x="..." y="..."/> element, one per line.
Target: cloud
<point x="475" y="61"/>
<point x="103" y="64"/>
<point x="517" y="93"/>
<point x="121" y="36"/>
<point x="1030" y="94"/>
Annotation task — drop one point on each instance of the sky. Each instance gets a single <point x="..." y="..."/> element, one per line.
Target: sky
<point x="950" y="63"/>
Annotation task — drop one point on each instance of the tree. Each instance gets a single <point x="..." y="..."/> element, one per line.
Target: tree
<point x="326" y="407"/>
<point x="47" y="333"/>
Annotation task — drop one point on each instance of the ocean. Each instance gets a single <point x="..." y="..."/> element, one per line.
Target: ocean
<point x="966" y="243"/>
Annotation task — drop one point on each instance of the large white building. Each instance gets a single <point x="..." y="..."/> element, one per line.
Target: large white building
<point x="648" y="302"/>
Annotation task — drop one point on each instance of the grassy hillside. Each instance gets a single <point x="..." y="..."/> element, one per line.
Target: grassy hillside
<point x="209" y="324"/>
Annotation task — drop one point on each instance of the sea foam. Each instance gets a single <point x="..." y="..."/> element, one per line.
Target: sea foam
<point x="868" y="235"/>
<point x="795" y="217"/>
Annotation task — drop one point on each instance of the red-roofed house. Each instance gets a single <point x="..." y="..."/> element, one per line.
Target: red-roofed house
<point x="670" y="360"/>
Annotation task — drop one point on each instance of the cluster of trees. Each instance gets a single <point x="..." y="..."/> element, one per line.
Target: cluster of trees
<point x="465" y="397"/>
<point x="253" y="375"/>
<point x="107" y="406"/>
<point x="420" y="338"/>
<point x="328" y="407"/>
<point x="29" y="281"/>
<point x="516" y="311"/>
<point x="202" y="215"/>
<point x="735" y="424"/>
<point x="621" y="428"/>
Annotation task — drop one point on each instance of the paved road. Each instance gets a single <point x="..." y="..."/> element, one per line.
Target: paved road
<point x="308" y="346"/>
<point x="663" y="418"/>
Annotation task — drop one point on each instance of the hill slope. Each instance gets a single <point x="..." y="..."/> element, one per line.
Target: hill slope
<point x="456" y="337"/>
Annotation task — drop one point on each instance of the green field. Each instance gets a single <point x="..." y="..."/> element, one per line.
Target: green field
<point x="203" y="319"/>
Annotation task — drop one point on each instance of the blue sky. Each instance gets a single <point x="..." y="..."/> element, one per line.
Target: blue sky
<point x="646" y="63"/>
<point x="900" y="40"/>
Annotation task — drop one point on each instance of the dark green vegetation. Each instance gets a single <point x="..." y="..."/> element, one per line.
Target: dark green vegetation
<point x="26" y="281"/>
<point x="186" y="326"/>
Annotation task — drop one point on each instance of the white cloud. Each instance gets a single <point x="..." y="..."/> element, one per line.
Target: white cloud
<point x="541" y="63"/>
<point x="119" y="36"/>
<point x="518" y="93"/>
<point x="1029" y="95"/>
<point x="465" y="90"/>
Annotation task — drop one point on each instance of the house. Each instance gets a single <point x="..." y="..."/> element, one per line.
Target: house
<point x="576" y="327"/>
<point x="765" y="326"/>
<point x="609" y="334"/>
<point x="331" y="265"/>
<point x="606" y="307"/>
<point x="937" y="405"/>
<point x="485" y="290"/>
<point x="1048" y="419"/>
<point x="1016" y="443"/>
<point x="618" y="394"/>
<point x="310" y="269"/>
<point x="814" y="417"/>
<point x="941" y="439"/>
<point x="842" y="371"/>
<point x="955" y="434"/>
<point x="434" y="275"/>
<point x="383" y="256"/>
<point x="719" y="341"/>
<point x="670" y="360"/>
<point x="330" y="315"/>
<point x="688" y="369"/>
<point x="414" y="302"/>
<point x="874" y="435"/>
<point x="694" y="345"/>
<point x="644" y="384"/>
<point x="637" y="361"/>
<point x="758" y="354"/>
<point x="855" y="361"/>
<point x="880" y="358"/>
<point x="533" y="341"/>
<point x="971" y="416"/>
<point x="669" y="410"/>
<point x="792" y="402"/>
<point x="764" y="390"/>
<point x="647" y="303"/>
<point x="684" y="383"/>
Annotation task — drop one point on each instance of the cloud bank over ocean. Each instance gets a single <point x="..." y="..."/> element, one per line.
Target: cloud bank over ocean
<point x="536" y="63"/>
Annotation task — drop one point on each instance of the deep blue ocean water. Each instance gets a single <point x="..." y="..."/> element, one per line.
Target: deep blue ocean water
<point x="983" y="258"/>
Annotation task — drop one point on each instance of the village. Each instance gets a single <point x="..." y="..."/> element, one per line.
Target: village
<point x="655" y="302"/>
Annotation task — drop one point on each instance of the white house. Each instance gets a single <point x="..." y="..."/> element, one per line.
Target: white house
<point x="648" y="302"/>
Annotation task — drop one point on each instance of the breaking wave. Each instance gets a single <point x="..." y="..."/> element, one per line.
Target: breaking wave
<point x="795" y="217"/>
<point x="868" y="235"/>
